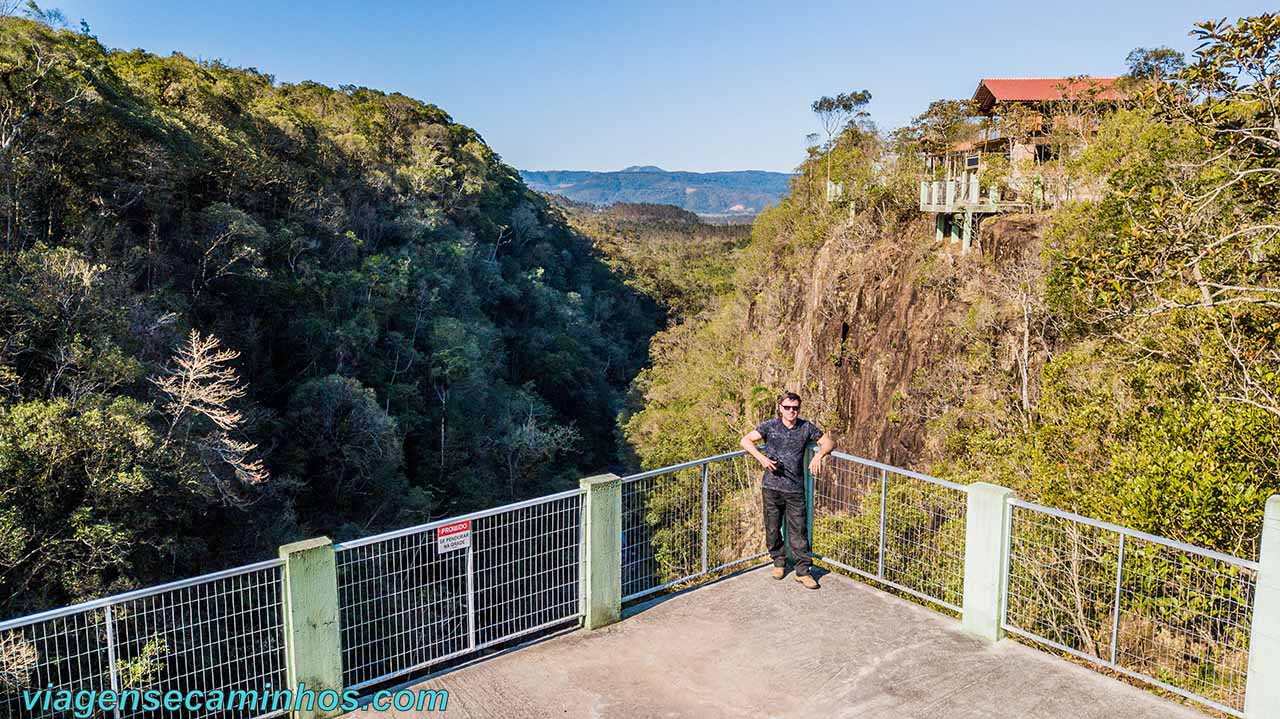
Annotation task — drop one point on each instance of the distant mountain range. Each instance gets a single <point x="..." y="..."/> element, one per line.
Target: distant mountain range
<point x="744" y="192"/>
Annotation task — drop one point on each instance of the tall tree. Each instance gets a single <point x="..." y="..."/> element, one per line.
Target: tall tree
<point x="836" y="112"/>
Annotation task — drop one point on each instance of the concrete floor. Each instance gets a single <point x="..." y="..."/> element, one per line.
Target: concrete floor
<point x="750" y="646"/>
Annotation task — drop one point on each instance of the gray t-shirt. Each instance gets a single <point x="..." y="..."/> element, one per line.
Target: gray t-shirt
<point x="786" y="447"/>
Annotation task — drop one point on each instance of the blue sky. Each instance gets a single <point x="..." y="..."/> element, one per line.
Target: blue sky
<point x="696" y="86"/>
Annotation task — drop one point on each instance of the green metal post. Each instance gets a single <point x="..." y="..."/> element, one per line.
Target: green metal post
<point x="313" y="645"/>
<point x="601" y="570"/>
<point x="808" y="495"/>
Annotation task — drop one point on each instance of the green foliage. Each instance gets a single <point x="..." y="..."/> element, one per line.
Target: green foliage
<point x="1155" y="391"/>
<point x="1154" y="63"/>
<point x="348" y="456"/>
<point x="942" y="125"/>
<point x="707" y="384"/>
<point x="665" y="253"/>
<point x="834" y="112"/>
<point x="94" y="497"/>
<point x="395" y="295"/>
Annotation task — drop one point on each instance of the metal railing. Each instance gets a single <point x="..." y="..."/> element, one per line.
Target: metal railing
<point x="1167" y="613"/>
<point x="1164" y="612"/>
<point x="690" y="520"/>
<point x="221" y="630"/>
<point x="405" y="606"/>
<point x="900" y="528"/>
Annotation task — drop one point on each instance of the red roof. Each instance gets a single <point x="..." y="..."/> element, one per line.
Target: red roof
<point x="993" y="90"/>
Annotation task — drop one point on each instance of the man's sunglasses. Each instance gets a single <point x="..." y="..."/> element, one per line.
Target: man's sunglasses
<point x="790" y="407"/>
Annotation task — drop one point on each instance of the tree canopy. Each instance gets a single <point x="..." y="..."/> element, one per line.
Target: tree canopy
<point x="236" y="312"/>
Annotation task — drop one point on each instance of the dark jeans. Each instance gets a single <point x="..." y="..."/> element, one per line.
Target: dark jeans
<point x="776" y="504"/>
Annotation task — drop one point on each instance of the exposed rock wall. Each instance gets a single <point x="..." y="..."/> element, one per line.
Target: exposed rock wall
<point x="876" y="310"/>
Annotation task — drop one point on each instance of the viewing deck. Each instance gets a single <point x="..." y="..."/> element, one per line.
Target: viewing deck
<point x="955" y="196"/>
<point x="749" y="646"/>
<point x="490" y="600"/>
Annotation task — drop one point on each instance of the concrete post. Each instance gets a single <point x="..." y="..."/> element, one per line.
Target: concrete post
<point x="1262" y="688"/>
<point x="313" y="646"/>
<point x="939" y="235"/>
<point x="966" y="232"/>
<point x="986" y="559"/>
<point x="601" y="568"/>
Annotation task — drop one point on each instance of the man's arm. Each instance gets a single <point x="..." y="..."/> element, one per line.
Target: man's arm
<point x="748" y="443"/>
<point x="825" y="446"/>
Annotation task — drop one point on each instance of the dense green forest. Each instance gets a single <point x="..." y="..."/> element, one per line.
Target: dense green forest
<point x="1123" y="363"/>
<point x="664" y="252"/>
<point x="236" y="312"/>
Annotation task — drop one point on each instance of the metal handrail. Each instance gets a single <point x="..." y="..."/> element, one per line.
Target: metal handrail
<point x="417" y="528"/>
<point x="900" y="470"/>
<point x="1174" y="544"/>
<point x="137" y="594"/>
<point x="682" y="465"/>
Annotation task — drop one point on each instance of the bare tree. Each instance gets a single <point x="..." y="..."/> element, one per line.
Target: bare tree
<point x="18" y="659"/>
<point x="199" y="389"/>
<point x="201" y="385"/>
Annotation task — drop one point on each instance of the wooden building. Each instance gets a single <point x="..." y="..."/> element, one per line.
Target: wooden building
<point x="1014" y="140"/>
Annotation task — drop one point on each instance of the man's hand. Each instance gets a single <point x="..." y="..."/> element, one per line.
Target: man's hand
<point x="767" y="463"/>
<point x="815" y="466"/>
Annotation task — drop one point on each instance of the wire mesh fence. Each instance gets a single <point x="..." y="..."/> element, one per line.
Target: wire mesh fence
<point x="223" y="631"/>
<point x="1167" y="613"/>
<point x="1170" y="614"/>
<point x="688" y="521"/>
<point x="526" y="568"/>
<point x="406" y="605"/>
<point x="903" y="529"/>
<point x="402" y="605"/>
<point x="735" y="513"/>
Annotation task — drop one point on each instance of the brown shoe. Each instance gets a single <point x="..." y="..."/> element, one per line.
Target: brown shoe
<point x="808" y="581"/>
<point x="779" y="572"/>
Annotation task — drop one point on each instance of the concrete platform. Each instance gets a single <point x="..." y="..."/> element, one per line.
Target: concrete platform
<point x="750" y="646"/>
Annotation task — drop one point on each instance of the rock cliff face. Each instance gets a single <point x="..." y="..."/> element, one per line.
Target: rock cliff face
<point x="876" y="324"/>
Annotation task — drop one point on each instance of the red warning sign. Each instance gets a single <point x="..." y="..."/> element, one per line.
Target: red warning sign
<point x="454" y="536"/>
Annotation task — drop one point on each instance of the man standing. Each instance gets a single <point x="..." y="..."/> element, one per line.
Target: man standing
<point x="785" y="438"/>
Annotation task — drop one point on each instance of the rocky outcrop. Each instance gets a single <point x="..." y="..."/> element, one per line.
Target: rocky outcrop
<point x="874" y="317"/>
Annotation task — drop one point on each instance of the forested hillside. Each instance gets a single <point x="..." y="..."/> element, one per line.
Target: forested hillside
<point x="236" y="312"/>
<point x="668" y="254"/>
<point x="1118" y="357"/>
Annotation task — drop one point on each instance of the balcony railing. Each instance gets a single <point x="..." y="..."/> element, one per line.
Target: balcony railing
<point x="964" y="194"/>
<point x="1173" y="615"/>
